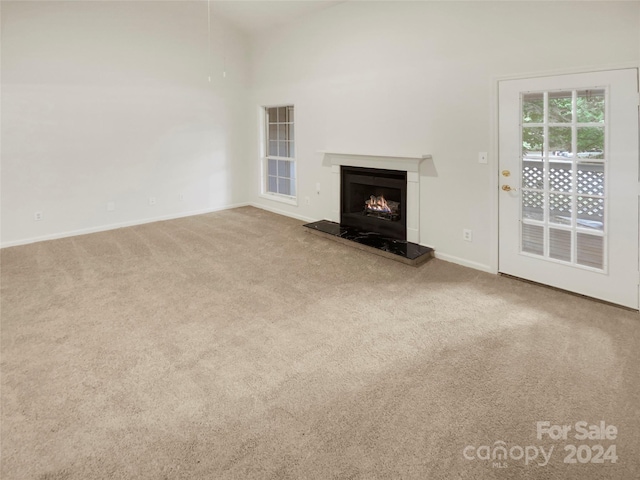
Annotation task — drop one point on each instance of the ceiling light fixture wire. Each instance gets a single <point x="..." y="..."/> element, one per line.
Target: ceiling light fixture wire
<point x="209" y="36"/>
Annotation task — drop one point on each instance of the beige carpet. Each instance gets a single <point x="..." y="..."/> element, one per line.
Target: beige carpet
<point x="236" y="345"/>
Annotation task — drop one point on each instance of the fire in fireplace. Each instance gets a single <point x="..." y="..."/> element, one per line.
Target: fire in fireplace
<point x="381" y="208"/>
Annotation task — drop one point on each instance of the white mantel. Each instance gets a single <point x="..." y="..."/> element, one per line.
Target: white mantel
<point x="411" y="165"/>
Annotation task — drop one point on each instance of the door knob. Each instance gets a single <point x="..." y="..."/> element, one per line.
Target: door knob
<point x="506" y="173"/>
<point x="508" y="188"/>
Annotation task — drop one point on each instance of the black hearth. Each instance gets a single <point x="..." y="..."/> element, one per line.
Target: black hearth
<point x="374" y="200"/>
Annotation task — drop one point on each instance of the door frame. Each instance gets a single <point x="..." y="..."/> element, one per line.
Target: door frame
<point x="494" y="152"/>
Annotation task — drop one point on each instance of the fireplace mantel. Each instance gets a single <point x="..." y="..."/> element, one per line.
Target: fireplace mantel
<point x="389" y="162"/>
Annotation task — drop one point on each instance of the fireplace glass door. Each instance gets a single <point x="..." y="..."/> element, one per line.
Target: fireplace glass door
<point x="374" y="200"/>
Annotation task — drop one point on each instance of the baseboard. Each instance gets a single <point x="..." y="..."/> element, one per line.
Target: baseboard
<point x="283" y="212"/>
<point x="466" y="263"/>
<point x="115" y="226"/>
<point x="442" y="256"/>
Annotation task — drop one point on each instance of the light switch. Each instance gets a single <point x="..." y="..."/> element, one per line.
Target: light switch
<point x="482" y="157"/>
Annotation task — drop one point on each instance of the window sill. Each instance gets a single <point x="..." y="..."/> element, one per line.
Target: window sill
<point x="280" y="198"/>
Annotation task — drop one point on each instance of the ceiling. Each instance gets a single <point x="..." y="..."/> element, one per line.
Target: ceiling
<point x="255" y="16"/>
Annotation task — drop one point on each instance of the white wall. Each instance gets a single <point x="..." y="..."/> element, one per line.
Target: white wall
<point x="110" y="102"/>
<point x="407" y="78"/>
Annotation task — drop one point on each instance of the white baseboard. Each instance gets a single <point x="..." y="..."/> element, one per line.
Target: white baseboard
<point x="466" y="263"/>
<point x="114" y="226"/>
<point x="442" y="256"/>
<point x="283" y="212"/>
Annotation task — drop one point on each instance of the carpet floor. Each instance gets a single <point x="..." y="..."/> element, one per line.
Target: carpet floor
<point x="236" y="345"/>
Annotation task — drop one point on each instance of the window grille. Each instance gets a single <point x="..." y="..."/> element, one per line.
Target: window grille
<point x="564" y="163"/>
<point x="279" y="152"/>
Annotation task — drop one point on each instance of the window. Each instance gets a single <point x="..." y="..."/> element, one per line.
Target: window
<point x="279" y="153"/>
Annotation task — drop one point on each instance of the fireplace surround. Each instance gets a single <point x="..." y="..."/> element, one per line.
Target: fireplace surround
<point x="349" y="223"/>
<point x="409" y="164"/>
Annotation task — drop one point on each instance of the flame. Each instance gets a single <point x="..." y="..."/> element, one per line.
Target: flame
<point x="377" y="204"/>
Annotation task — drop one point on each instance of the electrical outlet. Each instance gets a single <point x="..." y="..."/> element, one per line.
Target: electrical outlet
<point x="111" y="206"/>
<point x="152" y="200"/>
<point x="467" y="235"/>
<point x="307" y="201"/>
<point x="37" y="216"/>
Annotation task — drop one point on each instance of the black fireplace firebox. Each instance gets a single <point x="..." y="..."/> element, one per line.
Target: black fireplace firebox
<point x="374" y="200"/>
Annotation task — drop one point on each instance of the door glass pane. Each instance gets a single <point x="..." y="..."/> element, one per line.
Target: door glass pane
<point x="560" y="244"/>
<point x="273" y="148"/>
<point x="532" y="239"/>
<point x="532" y="204"/>
<point x="563" y="176"/>
<point x="590" y="250"/>
<point x="591" y="142"/>
<point x="560" y="209"/>
<point x="533" y="108"/>
<point x="590" y="106"/>
<point x="591" y="212"/>
<point x="532" y="141"/>
<point x="590" y="178"/>
<point x="533" y="174"/>
<point x="560" y="104"/>
<point x="560" y="176"/>
<point x="560" y="141"/>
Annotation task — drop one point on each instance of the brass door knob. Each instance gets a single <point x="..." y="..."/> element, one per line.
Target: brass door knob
<point x="508" y="188"/>
<point x="506" y="173"/>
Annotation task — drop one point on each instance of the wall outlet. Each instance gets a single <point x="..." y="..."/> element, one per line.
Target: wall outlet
<point x="37" y="216"/>
<point x="111" y="206"/>
<point x="152" y="200"/>
<point x="483" y="157"/>
<point x="467" y="235"/>
<point x="307" y="201"/>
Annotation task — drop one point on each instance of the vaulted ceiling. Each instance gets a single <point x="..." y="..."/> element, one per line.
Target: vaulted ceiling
<point x="258" y="16"/>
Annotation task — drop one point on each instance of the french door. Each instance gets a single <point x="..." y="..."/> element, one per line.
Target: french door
<point x="568" y="201"/>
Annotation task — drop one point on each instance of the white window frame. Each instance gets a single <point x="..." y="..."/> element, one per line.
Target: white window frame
<point x="265" y="157"/>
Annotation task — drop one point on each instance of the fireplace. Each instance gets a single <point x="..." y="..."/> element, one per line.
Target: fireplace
<point x="374" y="200"/>
<point x="375" y="205"/>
